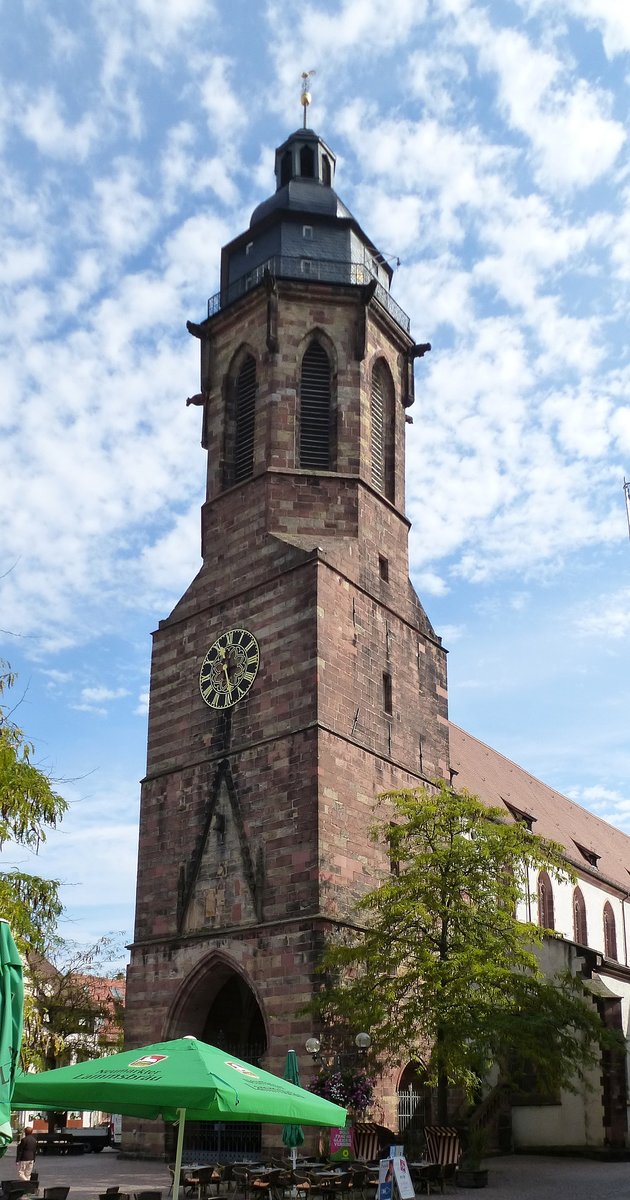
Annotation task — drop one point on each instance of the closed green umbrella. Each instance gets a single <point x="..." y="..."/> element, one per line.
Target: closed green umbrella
<point x="11" y="1018"/>
<point x="292" y="1135"/>
<point x="175" y="1080"/>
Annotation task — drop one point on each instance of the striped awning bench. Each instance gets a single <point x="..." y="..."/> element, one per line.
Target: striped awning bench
<point x="443" y="1145"/>
<point x="369" y="1139"/>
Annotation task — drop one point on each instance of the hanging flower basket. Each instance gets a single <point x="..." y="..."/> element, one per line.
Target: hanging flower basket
<point x="352" y="1089"/>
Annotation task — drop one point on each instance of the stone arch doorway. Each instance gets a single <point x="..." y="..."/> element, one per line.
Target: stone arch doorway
<point x="218" y="1005"/>
<point x="415" y="1107"/>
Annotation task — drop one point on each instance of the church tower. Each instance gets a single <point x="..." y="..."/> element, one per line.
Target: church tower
<point x="298" y="676"/>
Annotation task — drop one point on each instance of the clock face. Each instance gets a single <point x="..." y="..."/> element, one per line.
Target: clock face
<point x="229" y="668"/>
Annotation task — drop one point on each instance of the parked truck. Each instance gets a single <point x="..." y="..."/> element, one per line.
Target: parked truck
<point x="72" y="1140"/>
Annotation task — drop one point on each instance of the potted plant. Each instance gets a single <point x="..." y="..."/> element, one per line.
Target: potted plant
<point x="470" y="1172"/>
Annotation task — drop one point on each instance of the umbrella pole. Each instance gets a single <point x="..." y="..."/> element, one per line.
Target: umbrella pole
<point x="179" y="1152"/>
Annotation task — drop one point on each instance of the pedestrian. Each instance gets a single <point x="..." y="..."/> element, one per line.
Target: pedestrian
<point x="26" y="1151"/>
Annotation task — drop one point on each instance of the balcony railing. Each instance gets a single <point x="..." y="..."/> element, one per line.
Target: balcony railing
<point x="283" y="266"/>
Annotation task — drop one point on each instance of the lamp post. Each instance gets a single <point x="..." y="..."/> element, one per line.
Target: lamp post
<point x="313" y="1046"/>
<point x="342" y="1079"/>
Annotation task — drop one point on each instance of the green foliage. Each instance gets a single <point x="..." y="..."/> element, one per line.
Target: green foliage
<point x="29" y="807"/>
<point x="28" y="803"/>
<point x="443" y="973"/>
<point x="70" y="1005"/>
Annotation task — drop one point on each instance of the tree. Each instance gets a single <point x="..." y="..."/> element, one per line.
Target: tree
<point x="29" y="807"/>
<point x="76" y="1010"/>
<point x="442" y="972"/>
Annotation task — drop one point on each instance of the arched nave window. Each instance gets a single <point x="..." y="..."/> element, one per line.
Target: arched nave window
<point x="580" y="932"/>
<point x="610" y="931"/>
<point x="545" y="902"/>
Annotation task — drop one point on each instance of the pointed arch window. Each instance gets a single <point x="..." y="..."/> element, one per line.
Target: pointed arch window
<point x="610" y="931"/>
<point x="315" y="450"/>
<point x="382" y="430"/>
<point x="545" y="902"/>
<point x="580" y="931"/>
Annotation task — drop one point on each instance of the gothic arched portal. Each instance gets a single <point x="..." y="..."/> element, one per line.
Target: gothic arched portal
<point x="217" y="1005"/>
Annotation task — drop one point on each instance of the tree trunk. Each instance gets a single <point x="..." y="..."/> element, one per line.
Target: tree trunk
<point x="442" y="1098"/>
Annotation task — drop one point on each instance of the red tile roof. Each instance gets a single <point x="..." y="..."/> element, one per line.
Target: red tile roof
<point x="503" y="783"/>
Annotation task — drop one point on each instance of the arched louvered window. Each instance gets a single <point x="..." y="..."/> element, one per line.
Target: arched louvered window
<point x="382" y="430"/>
<point x="315" y="410"/>
<point x="580" y="932"/>
<point x="610" y="932"/>
<point x="326" y="172"/>
<point x="307" y="162"/>
<point x="244" y="420"/>
<point x="545" y="902"/>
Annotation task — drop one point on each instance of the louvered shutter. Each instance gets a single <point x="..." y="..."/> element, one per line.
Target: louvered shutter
<point x="245" y="412"/>
<point x="378" y="429"/>
<point x="315" y="397"/>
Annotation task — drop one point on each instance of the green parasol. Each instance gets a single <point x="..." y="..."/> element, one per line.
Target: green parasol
<point x="292" y="1135"/>
<point x="11" y="1017"/>
<point x="176" y="1080"/>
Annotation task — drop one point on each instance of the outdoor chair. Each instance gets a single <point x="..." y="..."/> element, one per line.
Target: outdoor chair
<point x="199" y="1181"/>
<point x="281" y="1184"/>
<point x="240" y="1178"/>
<point x="426" y="1177"/>
<point x="359" y="1180"/>
<point x="56" y="1193"/>
<point x="12" y="1189"/>
<point x="147" y="1196"/>
<point x="260" y="1184"/>
<point x="227" y="1178"/>
<point x="302" y="1185"/>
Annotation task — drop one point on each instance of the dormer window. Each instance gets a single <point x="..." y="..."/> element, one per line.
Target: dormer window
<point x="307" y="232"/>
<point x="589" y="856"/>
<point x="521" y="817"/>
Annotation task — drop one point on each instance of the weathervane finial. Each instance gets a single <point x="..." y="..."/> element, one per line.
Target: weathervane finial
<point x="305" y="98"/>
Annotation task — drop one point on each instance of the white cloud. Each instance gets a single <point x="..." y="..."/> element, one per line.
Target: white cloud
<point x="41" y="119"/>
<point x="573" y="138"/>
<point x="435" y="74"/>
<point x="609" y="16"/>
<point x="226" y="114"/>
<point x="126" y="216"/>
<point x="96" y="695"/>
<point x="609" y="617"/>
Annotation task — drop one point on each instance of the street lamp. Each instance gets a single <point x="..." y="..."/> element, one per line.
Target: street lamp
<point x="313" y="1047"/>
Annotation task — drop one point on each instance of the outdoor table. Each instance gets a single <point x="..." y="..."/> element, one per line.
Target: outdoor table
<point x="424" y="1173"/>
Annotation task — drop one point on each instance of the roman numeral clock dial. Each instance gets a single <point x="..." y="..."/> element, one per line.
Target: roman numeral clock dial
<point x="229" y="668"/>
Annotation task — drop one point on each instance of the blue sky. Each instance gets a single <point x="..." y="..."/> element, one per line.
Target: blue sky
<point x="484" y="145"/>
